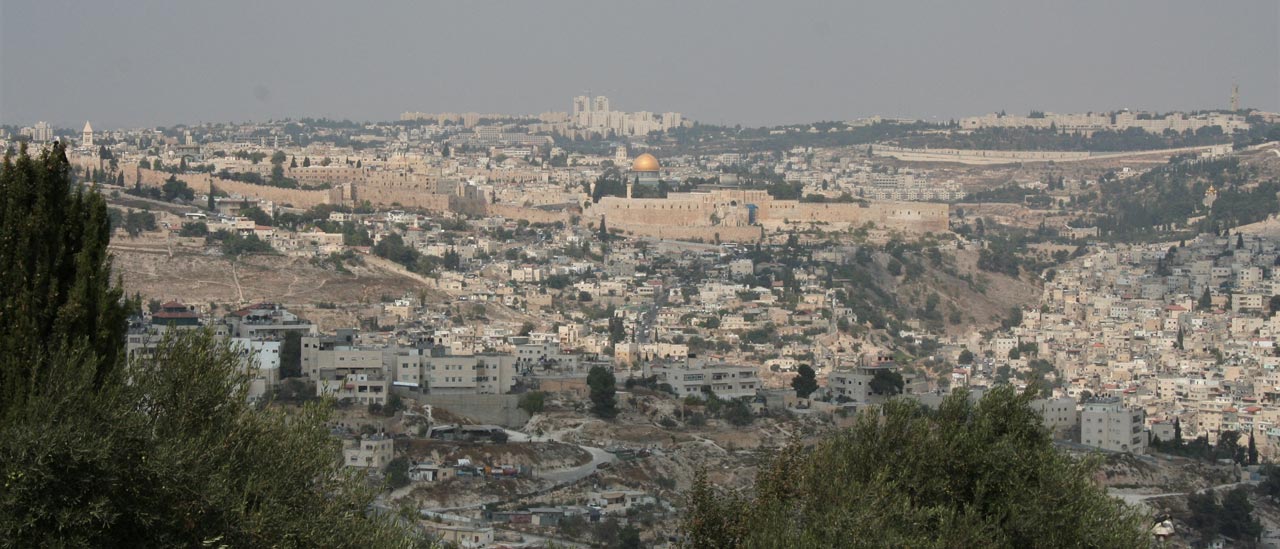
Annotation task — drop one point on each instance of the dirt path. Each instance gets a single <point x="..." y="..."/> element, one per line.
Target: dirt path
<point x="235" y="276"/>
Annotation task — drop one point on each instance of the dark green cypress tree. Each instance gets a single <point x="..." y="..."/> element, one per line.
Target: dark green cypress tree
<point x="1205" y="301"/>
<point x="176" y="456"/>
<point x="56" y="293"/>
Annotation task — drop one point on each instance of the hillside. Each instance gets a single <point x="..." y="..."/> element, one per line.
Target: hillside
<point x="200" y="277"/>
<point x="331" y="297"/>
<point x="943" y="291"/>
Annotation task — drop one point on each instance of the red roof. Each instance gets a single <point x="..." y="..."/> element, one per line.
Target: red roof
<point x="167" y="314"/>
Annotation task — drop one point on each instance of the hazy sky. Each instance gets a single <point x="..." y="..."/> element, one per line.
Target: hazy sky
<point x="128" y="63"/>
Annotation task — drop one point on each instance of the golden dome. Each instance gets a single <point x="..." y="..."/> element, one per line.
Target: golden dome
<point x="645" y="163"/>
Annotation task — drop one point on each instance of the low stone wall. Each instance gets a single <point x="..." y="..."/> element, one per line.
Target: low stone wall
<point x="986" y="157"/>
<point x="501" y="410"/>
<point x="705" y="234"/>
<point x="532" y="215"/>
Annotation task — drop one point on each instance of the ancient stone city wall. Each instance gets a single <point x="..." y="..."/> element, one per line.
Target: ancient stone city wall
<point x="388" y="193"/>
<point x="200" y="183"/>
<point x="406" y="195"/>
<point x="904" y="216"/>
<point x="649" y="211"/>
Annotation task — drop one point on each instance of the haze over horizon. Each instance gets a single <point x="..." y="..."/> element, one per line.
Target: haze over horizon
<point x="160" y="63"/>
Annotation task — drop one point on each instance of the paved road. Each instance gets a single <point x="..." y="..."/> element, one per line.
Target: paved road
<point x="1139" y="498"/>
<point x="574" y="474"/>
<point x="571" y="474"/>
<point x="558" y="477"/>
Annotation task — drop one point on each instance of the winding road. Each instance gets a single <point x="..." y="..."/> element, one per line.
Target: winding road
<point x="574" y="474"/>
<point x="557" y="477"/>
<point x="571" y="474"/>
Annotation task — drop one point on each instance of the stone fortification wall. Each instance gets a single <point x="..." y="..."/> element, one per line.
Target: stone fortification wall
<point x="407" y="197"/>
<point x="653" y="211"/>
<point x="735" y="209"/>
<point x="398" y="188"/>
<point x="977" y="156"/>
<point x="199" y="182"/>
<point x="985" y="157"/>
<point x="333" y="174"/>
<point x="904" y="216"/>
<point x="422" y="192"/>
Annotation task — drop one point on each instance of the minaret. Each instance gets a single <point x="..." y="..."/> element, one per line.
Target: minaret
<point x="86" y="136"/>
<point x="1235" y="97"/>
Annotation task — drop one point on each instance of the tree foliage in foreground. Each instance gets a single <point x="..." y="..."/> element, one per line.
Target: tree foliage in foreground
<point x="966" y="475"/>
<point x="163" y="451"/>
<point x="56" y="292"/>
<point x="177" y="457"/>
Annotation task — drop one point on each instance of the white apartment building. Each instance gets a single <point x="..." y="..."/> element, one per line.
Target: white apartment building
<point x="854" y="384"/>
<point x="1109" y="425"/>
<point x="339" y="353"/>
<point x="484" y="374"/>
<point x="362" y="388"/>
<point x="546" y="353"/>
<point x="263" y="359"/>
<point x="697" y="378"/>
<point x="1059" y="414"/>
<point x="612" y="502"/>
<point x="1246" y="302"/>
<point x="371" y="452"/>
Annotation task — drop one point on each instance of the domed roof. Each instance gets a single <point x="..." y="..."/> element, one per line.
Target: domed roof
<point x="645" y="163"/>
